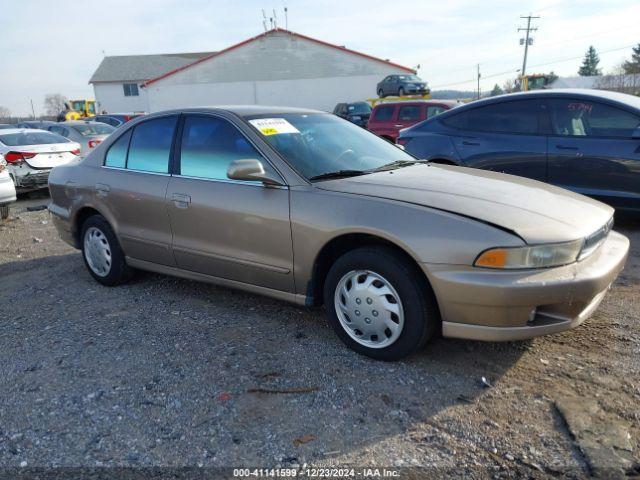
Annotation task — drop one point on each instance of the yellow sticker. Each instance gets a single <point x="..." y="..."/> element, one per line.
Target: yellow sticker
<point x="273" y="126"/>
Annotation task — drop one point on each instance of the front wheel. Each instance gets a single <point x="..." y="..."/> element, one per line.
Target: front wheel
<point x="378" y="304"/>
<point x="401" y="92"/>
<point x="381" y="93"/>
<point x="102" y="253"/>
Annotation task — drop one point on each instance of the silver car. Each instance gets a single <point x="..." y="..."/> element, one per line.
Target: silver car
<point x="307" y="207"/>
<point x="7" y="189"/>
<point x="88" y="134"/>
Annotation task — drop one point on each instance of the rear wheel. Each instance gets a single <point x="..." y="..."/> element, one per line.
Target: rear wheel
<point x="102" y="253"/>
<point x="4" y="212"/>
<point x="378" y="304"/>
<point x="401" y="92"/>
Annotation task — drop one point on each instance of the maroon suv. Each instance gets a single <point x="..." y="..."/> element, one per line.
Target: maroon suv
<point x="387" y="119"/>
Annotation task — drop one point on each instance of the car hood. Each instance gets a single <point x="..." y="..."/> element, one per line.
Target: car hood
<point x="535" y="211"/>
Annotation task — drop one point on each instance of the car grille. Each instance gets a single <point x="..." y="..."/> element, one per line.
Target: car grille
<point x="593" y="241"/>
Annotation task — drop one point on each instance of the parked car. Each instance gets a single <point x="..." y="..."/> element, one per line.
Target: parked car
<point x="401" y="85"/>
<point x="357" y="112"/>
<point x="88" y="134"/>
<point x="388" y="118"/>
<point x="395" y="249"/>
<point x="115" y="119"/>
<point x="4" y="126"/>
<point x="585" y="140"/>
<point x="34" y="124"/>
<point x="7" y="189"/>
<point x="31" y="154"/>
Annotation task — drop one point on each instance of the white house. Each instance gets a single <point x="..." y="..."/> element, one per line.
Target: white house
<point x="278" y="67"/>
<point x="117" y="80"/>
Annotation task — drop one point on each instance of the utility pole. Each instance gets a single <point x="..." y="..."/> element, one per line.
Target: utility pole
<point x="33" y="111"/>
<point x="527" y="41"/>
<point x="478" y="71"/>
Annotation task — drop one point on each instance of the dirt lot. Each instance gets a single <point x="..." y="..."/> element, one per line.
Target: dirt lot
<point x="168" y="372"/>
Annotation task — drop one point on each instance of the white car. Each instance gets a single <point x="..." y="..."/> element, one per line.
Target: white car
<point x="7" y="189"/>
<point x="31" y="154"/>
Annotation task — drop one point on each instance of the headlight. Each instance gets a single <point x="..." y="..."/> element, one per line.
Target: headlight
<point x="537" y="256"/>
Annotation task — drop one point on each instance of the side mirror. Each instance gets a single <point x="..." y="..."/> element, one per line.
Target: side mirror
<point x="252" y="170"/>
<point x="636" y="133"/>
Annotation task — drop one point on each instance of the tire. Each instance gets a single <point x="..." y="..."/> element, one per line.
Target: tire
<point x="418" y="319"/>
<point x="102" y="240"/>
<point x="4" y="212"/>
<point x="401" y="92"/>
<point x="381" y="93"/>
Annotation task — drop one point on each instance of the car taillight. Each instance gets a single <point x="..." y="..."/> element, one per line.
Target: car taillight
<point x="76" y="151"/>
<point x="127" y="118"/>
<point x="94" y="143"/>
<point x="402" y="141"/>
<point x="18" y="157"/>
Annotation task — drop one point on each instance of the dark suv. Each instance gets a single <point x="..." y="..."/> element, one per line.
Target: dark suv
<point x="402" y="85"/>
<point x="587" y="141"/>
<point x="357" y="112"/>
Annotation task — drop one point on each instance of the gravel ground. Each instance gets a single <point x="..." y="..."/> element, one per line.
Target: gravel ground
<point x="169" y="372"/>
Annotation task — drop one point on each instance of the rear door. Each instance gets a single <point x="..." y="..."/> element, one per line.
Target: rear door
<point x="132" y="187"/>
<point x="590" y="150"/>
<point x="226" y="228"/>
<point x="502" y="137"/>
<point x="382" y="121"/>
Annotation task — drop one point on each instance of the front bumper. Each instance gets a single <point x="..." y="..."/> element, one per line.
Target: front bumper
<point x="499" y="305"/>
<point x="7" y="190"/>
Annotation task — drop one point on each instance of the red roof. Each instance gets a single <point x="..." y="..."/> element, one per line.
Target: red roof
<point x="257" y="37"/>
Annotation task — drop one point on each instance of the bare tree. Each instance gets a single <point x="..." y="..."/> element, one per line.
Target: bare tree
<point x="5" y="113"/>
<point x="54" y="103"/>
<point x="511" y="85"/>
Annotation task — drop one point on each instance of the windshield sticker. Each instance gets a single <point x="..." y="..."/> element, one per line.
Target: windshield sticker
<point x="273" y="126"/>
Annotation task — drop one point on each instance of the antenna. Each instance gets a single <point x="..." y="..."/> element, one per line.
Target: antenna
<point x="275" y="19"/>
<point x="264" y="20"/>
<point x="286" y="18"/>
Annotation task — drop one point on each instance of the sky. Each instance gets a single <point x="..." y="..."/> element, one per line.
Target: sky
<point x="54" y="47"/>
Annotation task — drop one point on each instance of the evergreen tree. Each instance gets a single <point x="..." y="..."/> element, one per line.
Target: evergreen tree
<point x="633" y="65"/>
<point x="496" y="90"/>
<point x="590" y="63"/>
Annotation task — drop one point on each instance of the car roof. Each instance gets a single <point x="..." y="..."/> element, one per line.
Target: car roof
<point x="22" y="130"/>
<point x="615" y="97"/>
<point x="71" y="123"/>
<point x="241" y="110"/>
<point x="450" y="103"/>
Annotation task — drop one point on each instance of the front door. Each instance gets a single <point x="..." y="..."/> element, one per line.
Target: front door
<point x="502" y="137"/>
<point x="591" y="150"/>
<point x="132" y="186"/>
<point x="225" y="228"/>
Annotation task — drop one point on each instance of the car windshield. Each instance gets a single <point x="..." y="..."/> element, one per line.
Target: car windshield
<point x="91" y="129"/>
<point x="317" y="143"/>
<point x="409" y="78"/>
<point x="31" y="137"/>
<point x="359" y="109"/>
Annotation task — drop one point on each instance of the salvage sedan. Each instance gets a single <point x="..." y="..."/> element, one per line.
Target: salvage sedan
<point x="306" y="207"/>
<point x="31" y="154"/>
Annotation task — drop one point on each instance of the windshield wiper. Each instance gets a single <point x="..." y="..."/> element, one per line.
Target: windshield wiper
<point x="339" y="174"/>
<point x="397" y="164"/>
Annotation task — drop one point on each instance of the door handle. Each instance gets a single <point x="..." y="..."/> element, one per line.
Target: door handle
<point x="399" y="126"/>
<point x="466" y="142"/>
<point x="180" y="200"/>
<point x="102" y="190"/>
<point x="566" y="147"/>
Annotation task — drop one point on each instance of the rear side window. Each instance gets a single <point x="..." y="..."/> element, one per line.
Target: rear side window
<point x="409" y="113"/>
<point x="209" y="145"/>
<point x="583" y="118"/>
<point x="384" y="113"/>
<point x="508" y="117"/>
<point x="150" y="145"/>
<point x="117" y="153"/>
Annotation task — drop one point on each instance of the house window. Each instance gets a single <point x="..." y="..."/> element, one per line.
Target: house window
<point x="130" y="89"/>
